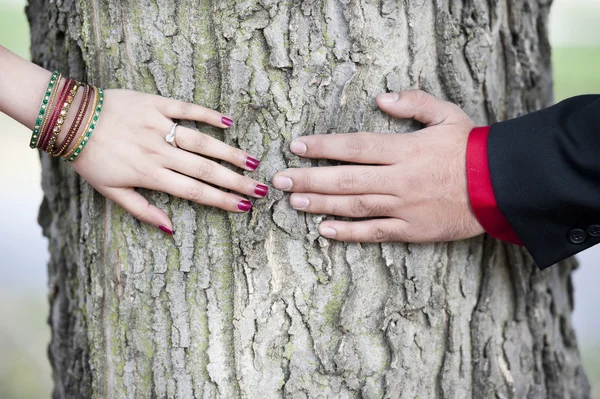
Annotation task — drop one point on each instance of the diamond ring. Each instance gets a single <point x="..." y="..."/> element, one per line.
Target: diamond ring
<point x="171" y="136"/>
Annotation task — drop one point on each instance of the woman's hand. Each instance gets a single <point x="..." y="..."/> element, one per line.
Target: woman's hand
<point x="128" y="150"/>
<point x="413" y="187"/>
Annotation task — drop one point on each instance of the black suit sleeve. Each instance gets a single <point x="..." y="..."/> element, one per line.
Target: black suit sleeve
<point x="545" y="170"/>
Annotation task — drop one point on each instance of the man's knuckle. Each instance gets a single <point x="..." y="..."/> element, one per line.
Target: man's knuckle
<point x="381" y="209"/>
<point x="360" y="207"/>
<point x="334" y="209"/>
<point x="380" y="144"/>
<point x="377" y="178"/>
<point x="355" y="147"/>
<point x="307" y="182"/>
<point x="347" y="182"/>
<point x="379" y="234"/>
<point x="410" y="150"/>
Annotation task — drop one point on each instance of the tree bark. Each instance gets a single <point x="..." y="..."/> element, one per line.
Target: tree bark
<point x="258" y="305"/>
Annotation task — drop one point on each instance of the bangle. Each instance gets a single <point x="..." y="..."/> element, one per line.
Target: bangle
<point x="51" y="122"/>
<point x="81" y="111"/>
<point x="89" y="129"/>
<point x="66" y="105"/>
<point x="42" y="114"/>
<point x="71" y="152"/>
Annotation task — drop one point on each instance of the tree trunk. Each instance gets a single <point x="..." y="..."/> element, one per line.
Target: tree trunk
<point x="258" y="305"/>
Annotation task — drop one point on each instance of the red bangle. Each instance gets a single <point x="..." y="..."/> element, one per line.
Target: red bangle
<point x="46" y="129"/>
<point x="55" y="114"/>
<point x="81" y="111"/>
<point x="62" y="117"/>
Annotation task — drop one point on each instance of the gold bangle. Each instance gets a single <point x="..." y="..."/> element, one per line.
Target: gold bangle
<point x="83" y="107"/>
<point x="62" y="117"/>
<point x="69" y="154"/>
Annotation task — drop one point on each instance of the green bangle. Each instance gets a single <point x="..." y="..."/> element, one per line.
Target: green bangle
<point x="35" y="135"/>
<point x="88" y="133"/>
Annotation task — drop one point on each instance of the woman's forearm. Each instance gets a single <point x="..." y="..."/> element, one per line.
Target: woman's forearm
<point x="22" y="86"/>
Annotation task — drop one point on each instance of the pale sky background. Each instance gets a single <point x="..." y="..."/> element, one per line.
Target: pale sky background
<point x="565" y="32"/>
<point x="23" y="250"/>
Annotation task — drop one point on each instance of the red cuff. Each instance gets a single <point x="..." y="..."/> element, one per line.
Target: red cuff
<point x="481" y="191"/>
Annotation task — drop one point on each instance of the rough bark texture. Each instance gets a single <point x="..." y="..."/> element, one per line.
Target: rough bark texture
<point x="258" y="305"/>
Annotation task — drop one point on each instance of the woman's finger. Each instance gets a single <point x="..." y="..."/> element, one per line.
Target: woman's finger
<point x="177" y="109"/>
<point x="211" y="172"/>
<point x="204" y="144"/>
<point x="346" y="179"/>
<point x="190" y="189"/>
<point x="134" y="203"/>
<point x="356" y="206"/>
<point x="376" y="230"/>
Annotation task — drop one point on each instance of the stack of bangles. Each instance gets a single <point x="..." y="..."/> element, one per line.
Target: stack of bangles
<point x="55" y="107"/>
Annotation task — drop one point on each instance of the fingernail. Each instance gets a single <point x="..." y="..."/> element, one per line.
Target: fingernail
<point x="226" y="121"/>
<point x="282" y="182"/>
<point x="299" y="201"/>
<point x="244" y="205"/>
<point x="261" y="190"/>
<point x="298" y="147"/>
<point x="252" y="163"/>
<point x="389" y="97"/>
<point x="166" y="230"/>
<point x="327" y="232"/>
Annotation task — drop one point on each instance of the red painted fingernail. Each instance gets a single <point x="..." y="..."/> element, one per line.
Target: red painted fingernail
<point x="244" y="205"/>
<point x="226" y="121"/>
<point x="166" y="230"/>
<point x="261" y="190"/>
<point x="252" y="163"/>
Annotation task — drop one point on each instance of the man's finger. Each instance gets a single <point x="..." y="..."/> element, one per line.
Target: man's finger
<point x="355" y="206"/>
<point x="347" y="179"/>
<point x="418" y="105"/>
<point x="376" y="230"/>
<point x="369" y="148"/>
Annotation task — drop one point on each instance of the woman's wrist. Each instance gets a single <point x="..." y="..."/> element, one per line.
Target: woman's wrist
<point x="63" y="123"/>
<point x="22" y="87"/>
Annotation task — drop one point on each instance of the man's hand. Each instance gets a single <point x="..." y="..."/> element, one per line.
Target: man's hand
<point x="413" y="186"/>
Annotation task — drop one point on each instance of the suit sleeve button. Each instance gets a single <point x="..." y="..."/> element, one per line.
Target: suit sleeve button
<point x="594" y="230"/>
<point x="577" y="236"/>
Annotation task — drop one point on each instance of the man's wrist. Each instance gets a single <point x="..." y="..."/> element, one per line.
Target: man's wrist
<point x="481" y="190"/>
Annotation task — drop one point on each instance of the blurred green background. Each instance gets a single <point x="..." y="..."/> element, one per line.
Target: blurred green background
<point x="24" y="368"/>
